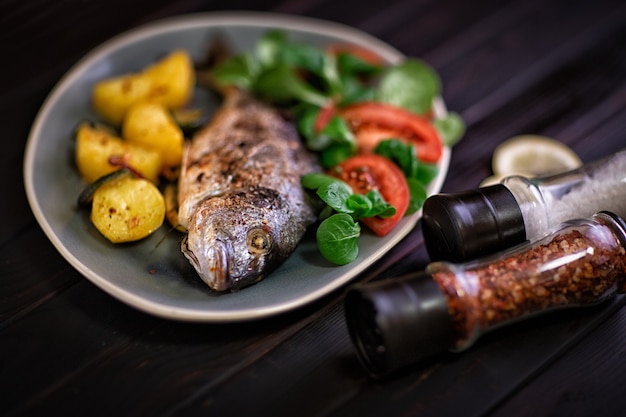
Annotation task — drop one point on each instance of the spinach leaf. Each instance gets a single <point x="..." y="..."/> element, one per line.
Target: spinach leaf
<point x="269" y="47"/>
<point x="338" y="238"/>
<point x="280" y="83"/>
<point x="314" y="180"/>
<point x="337" y="235"/>
<point x="450" y="128"/>
<point x="337" y="129"/>
<point x="240" y="71"/>
<point x="417" y="195"/>
<point x="411" y="84"/>
<point x="336" y="195"/>
<point x="401" y="153"/>
<point x="339" y="195"/>
<point x="352" y="66"/>
<point x="335" y="142"/>
<point x="426" y="172"/>
<point x="418" y="174"/>
<point x="355" y="76"/>
<point x="369" y="205"/>
<point x="354" y="91"/>
<point x="336" y="153"/>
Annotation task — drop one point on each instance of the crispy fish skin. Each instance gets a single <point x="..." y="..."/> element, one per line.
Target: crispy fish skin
<point x="239" y="193"/>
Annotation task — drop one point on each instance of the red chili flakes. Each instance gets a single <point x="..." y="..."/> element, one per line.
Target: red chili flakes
<point x="579" y="266"/>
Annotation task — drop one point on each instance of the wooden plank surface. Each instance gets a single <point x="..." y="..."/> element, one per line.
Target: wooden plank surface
<point x="508" y="67"/>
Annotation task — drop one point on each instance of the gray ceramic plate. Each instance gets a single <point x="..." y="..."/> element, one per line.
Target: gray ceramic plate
<point x="153" y="275"/>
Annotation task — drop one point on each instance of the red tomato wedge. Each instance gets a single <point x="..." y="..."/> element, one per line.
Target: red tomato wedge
<point x="323" y="117"/>
<point x="366" y="172"/>
<point x="372" y="122"/>
<point x="357" y="51"/>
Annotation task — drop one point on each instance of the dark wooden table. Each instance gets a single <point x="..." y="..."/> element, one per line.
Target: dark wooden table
<point x="556" y="68"/>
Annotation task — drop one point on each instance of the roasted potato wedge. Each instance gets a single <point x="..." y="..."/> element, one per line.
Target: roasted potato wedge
<point x="127" y="209"/>
<point x="152" y="126"/>
<point x="169" y="81"/>
<point x="94" y="147"/>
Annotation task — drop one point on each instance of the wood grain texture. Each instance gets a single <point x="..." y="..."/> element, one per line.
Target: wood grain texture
<point x="552" y="67"/>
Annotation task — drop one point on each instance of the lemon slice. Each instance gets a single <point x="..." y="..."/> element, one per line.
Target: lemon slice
<point x="533" y="155"/>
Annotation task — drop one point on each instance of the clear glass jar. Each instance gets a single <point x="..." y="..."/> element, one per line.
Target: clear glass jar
<point x="581" y="263"/>
<point x="462" y="226"/>
<point x="396" y="322"/>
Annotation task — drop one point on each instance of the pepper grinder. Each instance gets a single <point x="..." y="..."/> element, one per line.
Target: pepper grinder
<point x="396" y="322"/>
<point x="461" y="226"/>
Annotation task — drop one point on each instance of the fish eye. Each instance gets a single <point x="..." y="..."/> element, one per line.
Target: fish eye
<point x="259" y="241"/>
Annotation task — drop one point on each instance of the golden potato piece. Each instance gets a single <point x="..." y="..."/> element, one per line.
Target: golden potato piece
<point x="169" y="81"/>
<point x="127" y="209"/>
<point x="151" y="125"/>
<point x="94" y="147"/>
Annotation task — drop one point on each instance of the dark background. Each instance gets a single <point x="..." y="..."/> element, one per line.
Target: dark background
<point x="556" y="68"/>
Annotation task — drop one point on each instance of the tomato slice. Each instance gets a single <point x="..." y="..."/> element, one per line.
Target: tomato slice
<point x="372" y="122"/>
<point x="326" y="113"/>
<point x="366" y="172"/>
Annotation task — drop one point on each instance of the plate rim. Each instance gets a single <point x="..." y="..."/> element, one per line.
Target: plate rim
<point x="207" y="20"/>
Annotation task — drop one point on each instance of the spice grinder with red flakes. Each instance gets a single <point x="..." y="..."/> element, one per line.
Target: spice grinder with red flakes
<point x="399" y="321"/>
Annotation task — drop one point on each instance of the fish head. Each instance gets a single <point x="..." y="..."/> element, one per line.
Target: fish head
<point x="235" y="240"/>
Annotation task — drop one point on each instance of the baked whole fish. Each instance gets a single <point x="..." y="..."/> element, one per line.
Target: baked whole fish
<point x="239" y="193"/>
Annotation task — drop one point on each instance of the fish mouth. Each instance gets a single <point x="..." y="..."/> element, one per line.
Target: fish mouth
<point x="213" y="267"/>
<point x="215" y="271"/>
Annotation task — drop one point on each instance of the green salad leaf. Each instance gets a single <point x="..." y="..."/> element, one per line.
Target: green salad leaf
<point x="418" y="174"/>
<point x="450" y="128"/>
<point x="338" y="238"/>
<point x="240" y="71"/>
<point x="334" y="143"/>
<point x="268" y="48"/>
<point x="339" y="196"/>
<point x="340" y="200"/>
<point x="275" y="67"/>
<point x="411" y="84"/>
<point x="281" y="84"/>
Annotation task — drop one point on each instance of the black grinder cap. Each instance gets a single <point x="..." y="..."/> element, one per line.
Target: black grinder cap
<point x="397" y="322"/>
<point x="458" y="227"/>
